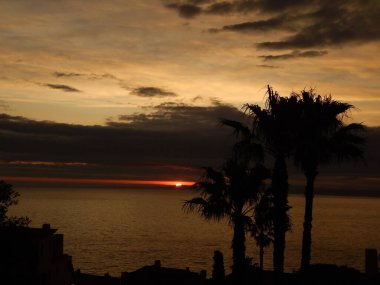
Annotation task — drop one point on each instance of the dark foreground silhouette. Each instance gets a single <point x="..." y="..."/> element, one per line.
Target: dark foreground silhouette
<point x="31" y="256"/>
<point x="35" y="256"/>
<point x="309" y="129"/>
<point x="317" y="274"/>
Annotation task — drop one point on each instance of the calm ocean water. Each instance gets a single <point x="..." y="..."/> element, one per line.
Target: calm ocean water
<point x="114" y="230"/>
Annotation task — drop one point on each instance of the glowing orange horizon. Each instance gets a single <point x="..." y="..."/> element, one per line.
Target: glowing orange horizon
<point x="101" y="181"/>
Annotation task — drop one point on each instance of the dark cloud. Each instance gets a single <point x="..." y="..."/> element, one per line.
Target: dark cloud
<point x="315" y="23"/>
<point x="185" y="10"/>
<point x="335" y="24"/>
<point x="199" y="2"/>
<point x="294" y="54"/>
<point x="275" y="5"/>
<point x="267" y="66"/>
<point x="282" y="22"/>
<point x="173" y="116"/>
<point x="93" y="76"/>
<point x="220" y="8"/>
<point x="171" y="141"/>
<point x="66" y="74"/>
<point x="152" y="92"/>
<point x="90" y="76"/>
<point x="223" y="7"/>
<point x="170" y="134"/>
<point x="62" y="87"/>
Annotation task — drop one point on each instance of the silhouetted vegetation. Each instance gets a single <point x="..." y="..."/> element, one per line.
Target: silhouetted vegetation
<point x="230" y="193"/>
<point x="309" y="128"/>
<point x="322" y="138"/>
<point x="274" y="129"/>
<point x="262" y="226"/>
<point x="9" y="197"/>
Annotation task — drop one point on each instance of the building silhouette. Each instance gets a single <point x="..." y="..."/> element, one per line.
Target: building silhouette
<point x="33" y="256"/>
<point x="147" y="275"/>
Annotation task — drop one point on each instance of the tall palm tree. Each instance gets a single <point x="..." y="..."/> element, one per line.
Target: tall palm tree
<point x="230" y="193"/>
<point x="322" y="138"/>
<point x="275" y="127"/>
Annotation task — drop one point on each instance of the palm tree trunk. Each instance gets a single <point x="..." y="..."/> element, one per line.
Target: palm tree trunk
<point x="238" y="250"/>
<point x="307" y="224"/>
<point x="280" y="190"/>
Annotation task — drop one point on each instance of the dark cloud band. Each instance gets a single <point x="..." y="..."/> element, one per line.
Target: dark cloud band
<point x="152" y="92"/>
<point x="67" y="74"/>
<point x="294" y="54"/>
<point x="138" y="146"/>
<point x="62" y="87"/>
<point x="315" y="24"/>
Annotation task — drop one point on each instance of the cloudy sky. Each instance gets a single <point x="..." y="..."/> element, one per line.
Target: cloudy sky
<point x="133" y="89"/>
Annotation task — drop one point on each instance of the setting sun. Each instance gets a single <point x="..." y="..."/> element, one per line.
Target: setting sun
<point x="100" y="181"/>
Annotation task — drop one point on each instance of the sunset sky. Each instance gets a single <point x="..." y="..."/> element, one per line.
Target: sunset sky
<point x="133" y="89"/>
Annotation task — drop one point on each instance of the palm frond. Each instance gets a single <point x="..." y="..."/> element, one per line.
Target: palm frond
<point x="239" y="128"/>
<point x="207" y="209"/>
<point x="347" y="144"/>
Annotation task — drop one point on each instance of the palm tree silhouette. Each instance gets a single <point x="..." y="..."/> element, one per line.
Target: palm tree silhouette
<point x="262" y="226"/>
<point x="322" y="138"/>
<point x="230" y="193"/>
<point x="276" y="128"/>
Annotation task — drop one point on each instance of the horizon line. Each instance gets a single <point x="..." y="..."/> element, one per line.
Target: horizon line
<point x="177" y="183"/>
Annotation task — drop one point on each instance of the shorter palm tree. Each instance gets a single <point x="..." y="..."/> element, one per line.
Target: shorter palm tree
<point x="275" y="128"/>
<point x="230" y="193"/>
<point x="262" y="223"/>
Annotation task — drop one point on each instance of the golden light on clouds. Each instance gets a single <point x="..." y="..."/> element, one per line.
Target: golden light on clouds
<point x="58" y="63"/>
<point x="118" y="84"/>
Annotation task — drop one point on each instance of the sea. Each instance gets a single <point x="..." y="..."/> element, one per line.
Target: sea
<point x="117" y="230"/>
